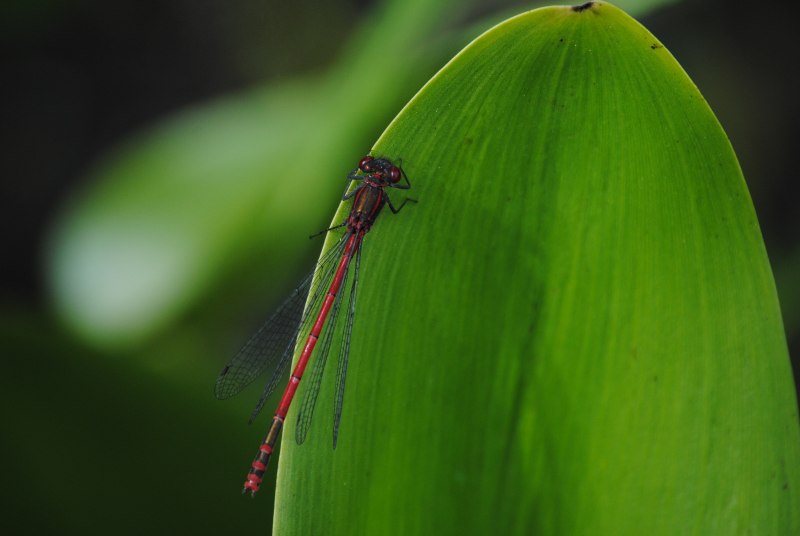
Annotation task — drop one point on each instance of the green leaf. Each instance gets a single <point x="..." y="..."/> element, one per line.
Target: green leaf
<point x="576" y="329"/>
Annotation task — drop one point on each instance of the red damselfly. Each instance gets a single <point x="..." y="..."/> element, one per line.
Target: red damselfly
<point x="303" y="317"/>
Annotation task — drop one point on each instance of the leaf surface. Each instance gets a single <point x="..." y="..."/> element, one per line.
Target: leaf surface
<point x="576" y="329"/>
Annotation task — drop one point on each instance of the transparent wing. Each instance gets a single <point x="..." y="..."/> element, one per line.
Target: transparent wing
<point x="344" y="352"/>
<point x="272" y="346"/>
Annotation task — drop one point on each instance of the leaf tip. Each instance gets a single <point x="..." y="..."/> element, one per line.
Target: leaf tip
<point x="583" y="7"/>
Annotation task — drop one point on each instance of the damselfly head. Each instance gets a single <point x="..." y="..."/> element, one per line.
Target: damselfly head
<point x="380" y="169"/>
<point x="365" y="164"/>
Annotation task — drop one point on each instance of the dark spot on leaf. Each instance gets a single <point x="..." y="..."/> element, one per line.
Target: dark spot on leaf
<point x="656" y="45"/>
<point x="468" y="141"/>
<point x="582" y="7"/>
<point x="785" y="485"/>
<point x="561" y="40"/>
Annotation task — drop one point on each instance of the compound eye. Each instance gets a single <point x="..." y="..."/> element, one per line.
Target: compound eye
<point x="394" y="174"/>
<point x="365" y="164"/>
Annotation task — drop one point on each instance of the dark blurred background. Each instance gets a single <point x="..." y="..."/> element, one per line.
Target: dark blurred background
<point x="123" y="433"/>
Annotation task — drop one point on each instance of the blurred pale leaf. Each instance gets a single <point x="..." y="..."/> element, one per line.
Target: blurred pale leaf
<point x="166" y="215"/>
